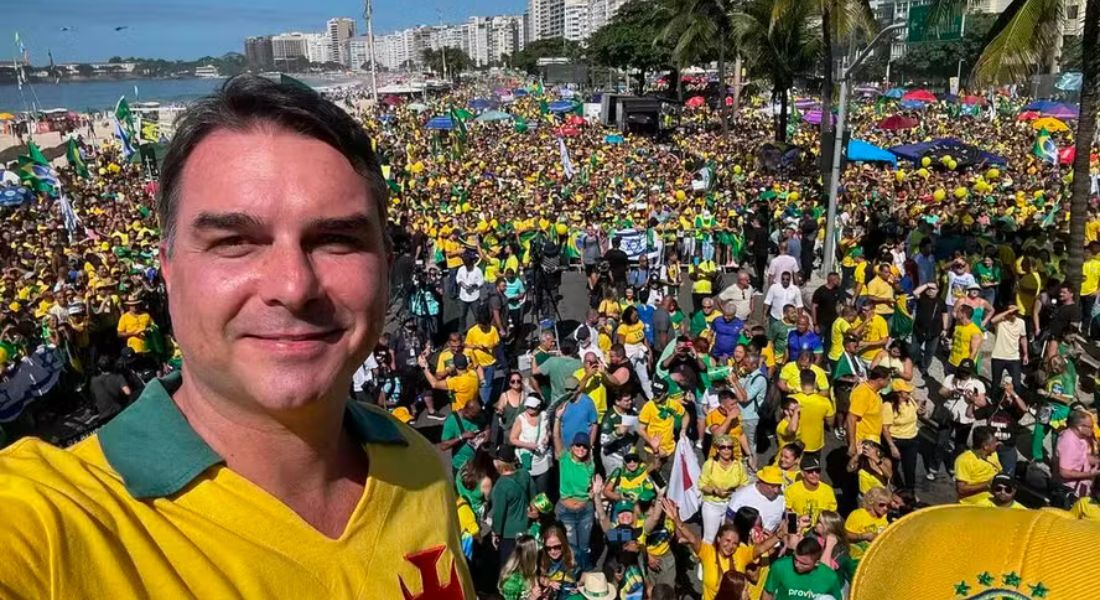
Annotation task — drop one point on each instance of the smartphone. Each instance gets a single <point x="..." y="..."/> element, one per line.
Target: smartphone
<point x="792" y="522"/>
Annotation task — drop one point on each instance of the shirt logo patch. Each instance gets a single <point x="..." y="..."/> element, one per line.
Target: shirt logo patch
<point x="431" y="588"/>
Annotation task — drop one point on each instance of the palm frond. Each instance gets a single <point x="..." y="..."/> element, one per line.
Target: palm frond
<point x="942" y="11"/>
<point x="1018" y="41"/>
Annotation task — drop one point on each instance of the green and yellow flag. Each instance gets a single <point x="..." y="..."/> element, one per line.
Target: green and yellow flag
<point x="72" y="154"/>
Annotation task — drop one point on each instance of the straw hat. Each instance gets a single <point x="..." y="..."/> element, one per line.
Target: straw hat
<point x="596" y="587"/>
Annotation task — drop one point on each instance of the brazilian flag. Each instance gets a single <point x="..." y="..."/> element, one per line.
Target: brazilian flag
<point x="72" y="154"/>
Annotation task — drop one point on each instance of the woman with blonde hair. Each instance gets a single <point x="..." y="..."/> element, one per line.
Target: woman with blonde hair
<point x="829" y="529"/>
<point x="865" y="523"/>
<point x="519" y="576"/>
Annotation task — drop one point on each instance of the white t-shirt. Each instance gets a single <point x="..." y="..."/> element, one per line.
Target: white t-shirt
<point x="771" y="511"/>
<point x="469" y="283"/>
<point x="364" y="374"/>
<point x="958" y="405"/>
<point x="956" y="286"/>
<point x="779" y="296"/>
<point x="1006" y="344"/>
<point x="784" y="263"/>
<point x="741" y="298"/>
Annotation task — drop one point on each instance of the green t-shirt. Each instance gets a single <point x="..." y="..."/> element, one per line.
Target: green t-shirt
<point x="985" y="276"/>
<point x="784" y="583"/>
<point x="777" y="334"/>
<point x="575" y="477"/>
<point x="557" y="369"/>
<point x="453" y="428"/>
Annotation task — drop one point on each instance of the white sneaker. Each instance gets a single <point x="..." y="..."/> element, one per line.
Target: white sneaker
<point x="930" y="476"/>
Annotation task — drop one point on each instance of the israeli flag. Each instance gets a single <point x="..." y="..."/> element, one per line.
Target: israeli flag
<point x="566" y="163"/>
<point x="127" y="146"/>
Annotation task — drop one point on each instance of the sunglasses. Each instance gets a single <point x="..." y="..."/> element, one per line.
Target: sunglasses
<point x="550" y="548"/>
<point x="515" y="381"/>
<point x="1003" y="488"/>
<point x="725" y="447"/>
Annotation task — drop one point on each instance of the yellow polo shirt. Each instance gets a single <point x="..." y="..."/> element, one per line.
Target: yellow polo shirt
<point x="970" y="468"/>
<point x="146" y="509"/>
<point x="806" y="503"/>
<point x="867" y="405"/>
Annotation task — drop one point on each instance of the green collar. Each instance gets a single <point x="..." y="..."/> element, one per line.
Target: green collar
<point x="157" y="453"/>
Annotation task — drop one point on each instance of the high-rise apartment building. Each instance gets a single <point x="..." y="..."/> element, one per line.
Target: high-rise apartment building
<point x="546" y="19"/>
<point x="258" y="52"/>
<point x="339" y="32"/>
<point x="287" y="48"/>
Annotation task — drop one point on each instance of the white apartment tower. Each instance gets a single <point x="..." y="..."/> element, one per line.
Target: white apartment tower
<point x="339" y="32"/>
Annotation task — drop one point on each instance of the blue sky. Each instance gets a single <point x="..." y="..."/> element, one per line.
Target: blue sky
<point x="189" y="29"/>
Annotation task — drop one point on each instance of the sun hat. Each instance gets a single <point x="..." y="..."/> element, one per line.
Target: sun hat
<point x="596" y="587"/>
<point x="770" y="475"/>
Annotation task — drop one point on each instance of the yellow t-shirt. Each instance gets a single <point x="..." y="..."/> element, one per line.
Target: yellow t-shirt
<point x="904" y="424"/>
<point x="713" y="475"/>
<point x="595" y="389"/>
<point x="811" y="423"/>
<point x="147" y="496"/>
<point x="879" y="288"/>
<point x="476" y="337"/>
<point x="791" y="374"/>
<point x="1086" y="508"/>
<point x="807" y="503"/>
<point x="660" y="422"/>
<point x="969" y="468"/>
<point x="867" y="405"/>
<point x="463" y="387"/>
<point x="960" y="342"/>
<point x="447" y="359"/>
<point x="610" y="308"/>
<point x="784" y="435"/>
<point x="876" y="331"/>
<point x="836" y="341"/>
<point x="860" y="522"/>
<point x="631" y="334"/>
<point x="742" y="558"/>
<point x="1091" y="276"/>
<point x="714" y="565"/>
<point x="699" y="284"/>
<point x="135" y="324"/>
<point x="717" y="417"/>
<point x="453" y="262"/>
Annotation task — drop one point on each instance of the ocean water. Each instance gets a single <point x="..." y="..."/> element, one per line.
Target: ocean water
<point x="84" y="96"/>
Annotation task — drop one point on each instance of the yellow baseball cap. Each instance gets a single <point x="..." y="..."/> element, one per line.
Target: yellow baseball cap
<point x="771" y="475"/>
<point x="961" y="552"/>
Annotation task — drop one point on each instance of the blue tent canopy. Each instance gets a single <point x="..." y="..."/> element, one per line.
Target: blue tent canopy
<point x="1041" y="105"/>
<point x="482" y="104"/>
<point x="894" y="93"/>
<point x="912" y="105"/>
<point x="561" y="106"/>
<point x="864" y="152"/>
<point x="519" y="92"/>
<point x="442" y="123"/>
<point x="914" y="152"/>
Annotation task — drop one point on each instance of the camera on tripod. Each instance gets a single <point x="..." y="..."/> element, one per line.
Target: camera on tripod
<point x="429" y="276"/>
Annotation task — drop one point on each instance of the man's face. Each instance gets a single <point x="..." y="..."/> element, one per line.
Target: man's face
<point x="790" y="314"/>
<point x="832" y="280"/>
<point x="1003" y="494"/>
<point x="277" y="288"/>
<point x="803" y="324"/>
<point x="743" y="280"/>
<point x="454" y="343"/>
<point x="812" y="477"/>
<point x="785" y="279"/>
<point x="708" y="306"/>
<point x="804" y="564"/>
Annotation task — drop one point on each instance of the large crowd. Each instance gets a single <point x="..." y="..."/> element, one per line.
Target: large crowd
<point x="751" y="442"/>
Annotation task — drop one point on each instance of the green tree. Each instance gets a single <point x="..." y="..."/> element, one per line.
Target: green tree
<point x="779" y="50"/>
<point x="626" y="42"/>
<point x="1071" y="53"/>
<point x="447" y="61"/>
<point x="700" y="28"/>
<point x="1020" y="42"/>
<point x="528" y="58"/>
<point x="937" y="61"/>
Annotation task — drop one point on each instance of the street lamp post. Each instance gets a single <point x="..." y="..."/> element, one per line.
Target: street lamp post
<point x="369" y="15"/>
<point x="838" y="144"/>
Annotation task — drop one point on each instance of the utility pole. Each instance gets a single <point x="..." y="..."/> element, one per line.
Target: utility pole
<point x="442" y="44"/>
<point x="846" y="71"/>
<point x="368" y="15"/>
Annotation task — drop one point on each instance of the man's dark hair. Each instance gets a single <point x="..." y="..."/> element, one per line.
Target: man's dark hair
<point x="981" y="436"/>
<point x="879" y="372"/>
<point x="568" y="347"/>
<point x="809" y="547"/>
<point x="247" y="102"/>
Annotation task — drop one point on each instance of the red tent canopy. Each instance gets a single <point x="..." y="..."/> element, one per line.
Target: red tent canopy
<point x="1027" y="115"/>
<point x="920" y="95"/>
<point x="974" y="100"/>
<point x="897" y="122"/>
<point x="695" y="102"/>
<point x="575" y="120"/>
<point x="569" y="131"/>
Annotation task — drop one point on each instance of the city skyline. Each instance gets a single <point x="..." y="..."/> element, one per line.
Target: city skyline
<point x="76" y="31"/>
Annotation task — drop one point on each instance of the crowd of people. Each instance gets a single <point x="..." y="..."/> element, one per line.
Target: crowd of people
<point x="805" y="406"/>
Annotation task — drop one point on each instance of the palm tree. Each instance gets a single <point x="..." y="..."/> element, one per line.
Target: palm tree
<point x="701" y="27"/>
<point x="840" y="19"/>
<point x="779" y="50"/>
<point x="1016" y="46"/>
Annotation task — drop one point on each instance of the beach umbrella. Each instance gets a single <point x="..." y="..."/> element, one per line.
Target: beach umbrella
<point x="1027" y="115"/>
<point x="493" y="115"/>
<point x="974" y="100"/>
<point x="441" y="123"/>
<point x="568" y="131"/>
<point x="418" y="107"/>
<point x="912" y="104"/>
<point x="1050" y="124"/>
<point x="1066" y="155"/>
<point x="861" y="151"/>
<point x="6" y="116"/>
<point x="480" y="104"/>
<point x="519" y="92"/>
<point x="804" y="103"/>
<point x="575" y="120"/>
<point x="613" y="138"/>
<point x="462" y="114"/>
<point x="1041" y="105"/>
<point x="897" y="123"/>
<point x="895" y="93"/>
<point x="1061" y="111"/>
<point x="695" y="102"/>
<point x="919" y="95"/>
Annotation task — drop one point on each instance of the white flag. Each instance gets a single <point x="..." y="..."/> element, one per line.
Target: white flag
<point x="683" y="484"/>
<point x="566" y="164"/>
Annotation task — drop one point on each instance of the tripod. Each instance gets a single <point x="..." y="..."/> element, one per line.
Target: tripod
<point x="545" y="302"/>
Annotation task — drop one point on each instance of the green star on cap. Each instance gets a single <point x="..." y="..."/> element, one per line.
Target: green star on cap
<point x="961" y="588"/>
<point x="1038" y="590"/>
<point x="1011" y="579"/>
<point x="985" y="579"/>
